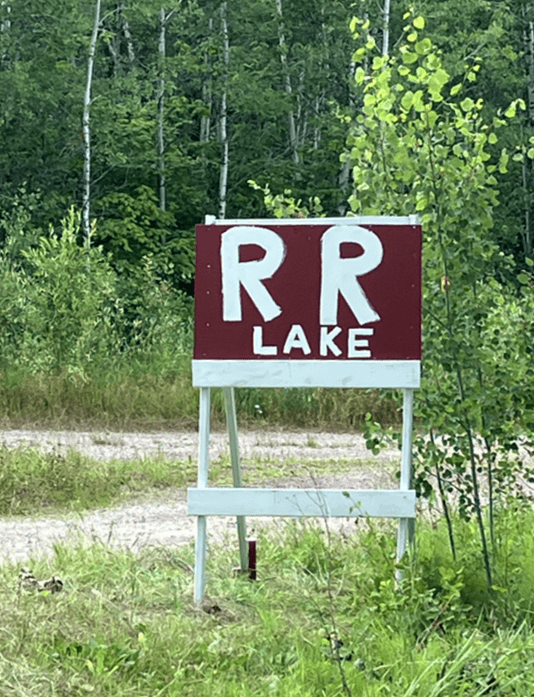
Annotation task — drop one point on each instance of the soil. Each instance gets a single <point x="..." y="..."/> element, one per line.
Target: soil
<point x="162" y="520"/>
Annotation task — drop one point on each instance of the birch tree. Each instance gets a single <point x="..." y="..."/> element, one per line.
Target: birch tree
<point x="223" y="125"/>
<point x="526" y="167"/>
<point x="386" y="16"/>
<point x="161" y="110"/>
<point x="127" y="35"/>
<point x="293" y="139"/>
<point x="86" y="206"/>
<point x="5" y="23"/>
<point x="207" y="98"/>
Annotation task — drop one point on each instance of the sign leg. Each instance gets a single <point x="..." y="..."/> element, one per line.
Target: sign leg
<point x="405" y="533"/>
<point x="231" y="420"/>
<point x="203" y="466"/>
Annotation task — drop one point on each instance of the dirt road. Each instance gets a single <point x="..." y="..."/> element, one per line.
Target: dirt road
<point x="163" y="520"/>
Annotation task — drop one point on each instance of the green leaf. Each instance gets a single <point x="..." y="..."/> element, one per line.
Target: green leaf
<point x="359" y="76"/>
<point x="524" y="278"/>
<point x="503" y="162"/>
<point x="529" y="262"/>
<point x="511" y="111"/>
<point x="419" y="22"/>
<point x="467" y="104"/>
<point x="456" y="89"/>
<point x="423" y="47"/>
<point x="407" y="100"/>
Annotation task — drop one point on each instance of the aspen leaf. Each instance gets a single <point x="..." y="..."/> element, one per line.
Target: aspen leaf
<point x="467" y="104"/>
<point x="419" y="22"/>
<point x="511" y="111"/>
<point x="407" y="100"/>
<point x="359" y="76"/>
<point x="409" y="57"/>
<point x="423" y="46"/>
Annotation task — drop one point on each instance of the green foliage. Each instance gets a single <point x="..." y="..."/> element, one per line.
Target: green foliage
<point x="67" y="317"/>
<point x="135" y="229"/>
<point x="125" y="623"/>
<point x="70" y="296"/>
<point x="17" y="233"/>
<point x="33" y="481"/>
<point x="420" y="146"/>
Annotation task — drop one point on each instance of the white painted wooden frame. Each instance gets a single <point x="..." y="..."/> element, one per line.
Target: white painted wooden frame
<point x="306" y="373"/>
<point x="353" y="220"/>
<point x="325" y="503"/>
<point x="322" y="503"/>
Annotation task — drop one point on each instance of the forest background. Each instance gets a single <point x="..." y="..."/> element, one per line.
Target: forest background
<point x="123" y="124"/>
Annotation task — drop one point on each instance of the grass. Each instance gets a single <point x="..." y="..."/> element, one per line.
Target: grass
<point x="33" y="482"/>
<point x="324" y="619"/>
<point x="134" y="398"/>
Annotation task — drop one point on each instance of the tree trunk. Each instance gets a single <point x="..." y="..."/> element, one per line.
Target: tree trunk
<point x="205" y="121"/>
<point x="5" y="26"/>
<point x="223" y="130"/>
<point x="526" y="166"/>
<point x="293" y="140"/>
<point x="385" y="41"/>
<point x="161" y="110"/>
<point x="127" y="36"/>
<point x="86" y="207"/>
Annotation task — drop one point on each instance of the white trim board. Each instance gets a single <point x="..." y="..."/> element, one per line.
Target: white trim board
<point x="302" y="373"/>
<point x="354" y="220"/>
<point x="330" y="503"/>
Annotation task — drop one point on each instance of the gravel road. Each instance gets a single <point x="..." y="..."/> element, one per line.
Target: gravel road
<point x="163" y="520"/>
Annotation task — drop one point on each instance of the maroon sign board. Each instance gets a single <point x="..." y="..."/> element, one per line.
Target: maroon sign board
<point x="332" y="302"/>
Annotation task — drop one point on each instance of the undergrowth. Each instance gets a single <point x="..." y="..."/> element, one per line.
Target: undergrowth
<point x="33" y="481"/>
<point x="125" y="624"/>
<point x="133" y="397"/>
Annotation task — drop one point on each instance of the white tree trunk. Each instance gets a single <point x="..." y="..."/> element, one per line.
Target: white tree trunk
<point x="526" y="167"/>
<point x="161" y="111"/>
<point x="293" y="140"/>
<point x="86" y="206"/>
<point x="5" y="26"/>
<point x="127" y="36"/>
<point x="223" y="130"/>
<point x="205" y="121"/>
<point x="385" y="41"/>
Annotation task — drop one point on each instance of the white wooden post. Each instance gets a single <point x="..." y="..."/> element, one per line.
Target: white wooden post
<point x="231" y="420"/>
<point x="203" y="468"/>
<point x="406" y="472"/>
